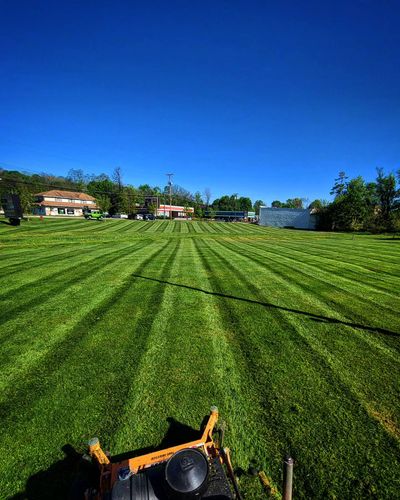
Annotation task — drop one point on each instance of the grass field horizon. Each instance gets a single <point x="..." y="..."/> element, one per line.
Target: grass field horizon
<point x="113" y="328"/>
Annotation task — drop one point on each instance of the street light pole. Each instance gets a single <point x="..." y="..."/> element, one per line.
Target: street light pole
<point x="170" y="194"/>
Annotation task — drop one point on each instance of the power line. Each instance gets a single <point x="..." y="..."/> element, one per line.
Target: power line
<point x="12" y="182"/>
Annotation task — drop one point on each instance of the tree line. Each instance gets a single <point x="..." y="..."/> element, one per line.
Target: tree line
<point x="357" y="205"/>
<point x="361" y="206"/>
<point x="114" y="196"/>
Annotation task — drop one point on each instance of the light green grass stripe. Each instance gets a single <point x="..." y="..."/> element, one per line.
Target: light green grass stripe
<point x="375" y="368"/>
<point x="330" y="288"/>
<point x="291" y="292"/>
<point x="320" y="385"/>
<point x="81" y="384"/>
<point x="334" y="274"/>
<point x="29" y="338"/>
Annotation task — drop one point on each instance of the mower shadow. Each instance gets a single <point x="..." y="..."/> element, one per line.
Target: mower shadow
<point x="67" y="479"/>
<point x="314" y="317"/>
<point x="54" y="482"/>
<point x="177" y="433"/>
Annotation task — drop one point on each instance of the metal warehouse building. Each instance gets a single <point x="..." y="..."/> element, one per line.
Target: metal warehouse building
<point x="297" y="218"/>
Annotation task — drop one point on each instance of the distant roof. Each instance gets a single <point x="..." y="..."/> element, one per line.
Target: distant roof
<point x="282" y="209"/>
<point x="175" y="208"/>
<point x="63" y="204"/>
<point x="67" y="194"/>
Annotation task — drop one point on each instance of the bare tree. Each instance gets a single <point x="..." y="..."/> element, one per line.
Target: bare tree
<point x="117" y="177"/>
<point x="207" y="195"/>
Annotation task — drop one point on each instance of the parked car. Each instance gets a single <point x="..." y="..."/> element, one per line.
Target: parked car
<point x="149" y="217"/>
<point x="119" y="216"/>
<point x="139" y="217"/>
<point x="93" y="214"/>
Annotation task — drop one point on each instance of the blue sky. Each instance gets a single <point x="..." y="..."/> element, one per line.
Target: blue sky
<point x="268" y="99"/>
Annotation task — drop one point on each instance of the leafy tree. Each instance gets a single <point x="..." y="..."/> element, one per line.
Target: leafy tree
<point x="26" y="199"/>
<point x="232" y="203"/>
<point x="340" y="184"/>
<point x="244" y="204"/>
<point x="103" y="202"/>
<point x="129" y="198"/>
<point x="318" y="205"/>
<point x="145" y="189"/>
<point x="152" y="208"/>
<point x="294" y="203"/>
<point x="276" y="204"/>
<point x="100" y="185"/>
<point x="198" y="204"/>
<point x="257" y="205"/>
<point x="351" y="209"/>
<point x="388" y="197"/>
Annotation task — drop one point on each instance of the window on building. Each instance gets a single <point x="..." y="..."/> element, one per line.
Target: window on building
<point x="61" y="211"/>
<point x="70" y="211"/>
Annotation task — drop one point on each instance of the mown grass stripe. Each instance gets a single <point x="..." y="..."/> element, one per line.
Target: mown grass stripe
<point x="307" y="278"/>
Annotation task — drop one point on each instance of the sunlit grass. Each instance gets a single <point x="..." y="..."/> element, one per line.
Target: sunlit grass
<point x="108" y="328"/>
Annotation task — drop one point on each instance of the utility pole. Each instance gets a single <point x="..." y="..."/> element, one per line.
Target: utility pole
<point x="170" y="194"/>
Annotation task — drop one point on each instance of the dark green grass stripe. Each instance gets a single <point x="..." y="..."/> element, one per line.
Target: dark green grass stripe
<point x="349" y="273"/>
<point x="155" y="226"/>
<point x="29" y="263"/>
<point x="347" y="399"/>
<point x="44" y="225"/>
<point x="350" y="265"/>
<point x="127" y="226"/>
<point x="50" y="256"/>
<point x="13" y="342"/>
<point x="164" y="226"/>
<point x="55" y="282"/>
<point x="196" y="227"/>
<point x="222" y="228"/>
<point x="104" y="388"/>
<point x="366" y="262"/>
<point x="366" y="255"/>
<point x="310" y="292"/>
<point x="386" y="343"/>
<point x="62" y="350"/>
<point x="139" y="343"/>
<point x="339" y="304"/>
<point x="60" y="280"/>
<point x="95" y="227"/>
<point x="210" y="227"/>
<point x="144" y="226"/>
<point x="308" y="272"/>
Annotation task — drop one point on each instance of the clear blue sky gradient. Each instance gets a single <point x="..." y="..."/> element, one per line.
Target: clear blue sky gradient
<point x="268" y="99"/>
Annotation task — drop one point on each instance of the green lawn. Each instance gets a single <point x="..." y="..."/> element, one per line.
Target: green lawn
<point x="109" y="328"/>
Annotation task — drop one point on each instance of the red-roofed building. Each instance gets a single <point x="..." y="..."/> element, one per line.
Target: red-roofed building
<point x="57" y="202"/>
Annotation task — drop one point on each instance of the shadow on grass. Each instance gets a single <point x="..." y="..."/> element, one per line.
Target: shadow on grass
<point x="5" y="222"/>
<point x="312" y="316"/>
<point x="59" y="479"/>
<point x="68" y="478"/>
<point x="177" y="433"/>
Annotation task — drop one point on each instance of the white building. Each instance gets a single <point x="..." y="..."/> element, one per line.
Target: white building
<point x="63" y="203"/>
<point x="297" y="218"/>
<point x="177" y="211"/>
